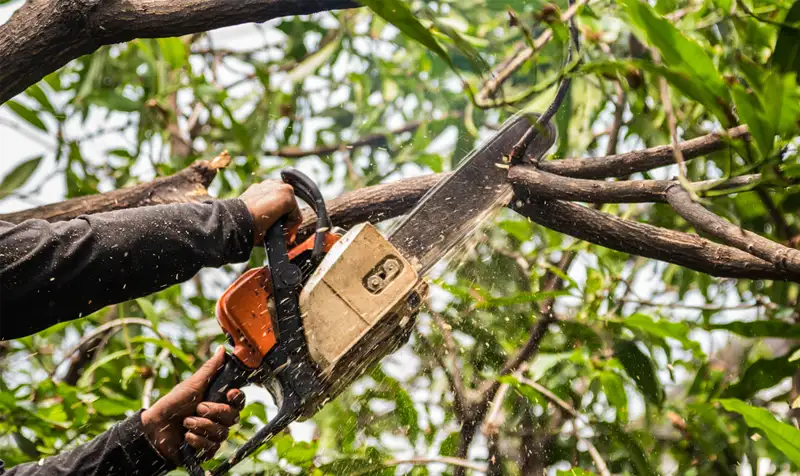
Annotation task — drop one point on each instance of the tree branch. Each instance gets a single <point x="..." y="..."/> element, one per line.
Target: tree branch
<point x="595" y="455"/>
<point x="747" y="241"/>
<point x="44" y="35"/>
<point x="375" y="140"/>
<point x="622" y="165"/>
<point x="188" y="185"/>
<point x="508" y="67"/>
<point x="683" y="249"/>
<point x="547" y="186"/>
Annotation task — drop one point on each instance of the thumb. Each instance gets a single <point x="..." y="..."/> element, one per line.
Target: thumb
<point x="208" y="370"/>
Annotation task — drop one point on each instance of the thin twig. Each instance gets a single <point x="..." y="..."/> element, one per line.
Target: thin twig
<point x="672" y="121"/>
<point x="698" y="307"/>
<point x="616" y="125"/>
<point x="596" y="457"/>
<point x="517" y="60"/>
<point x="147" y="391"/>
<point x="125" y="321"/>
<point x="448" y="460"/>
<point x="451" y="351"/>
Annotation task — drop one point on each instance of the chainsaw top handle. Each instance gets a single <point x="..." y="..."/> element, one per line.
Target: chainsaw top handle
<point x="307" y="191"/>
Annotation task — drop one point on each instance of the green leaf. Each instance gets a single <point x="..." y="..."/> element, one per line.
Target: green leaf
<point x="795" y="356"/>
<point x="615" y="393"/>
<point x="479" y="65"/>
<point x="84" y="380"/>
<point x="26" y="114"/>
<point x="786" y="57"/>
<point x="761" y="374"/>
<point x="37" y="93"/>
<point x="574" y="472"/>
<point x="114" y="101"/>
<point x="399" y="15"/>
<point x="298" y="453"/>
<point x="661" y="329"/>
<point x="759" y="329"/>
<point x="449" y="446"/>
<point x="784" y="437"/>
<point x="173" y="50"/>
<point x="315" y="61"/>
<point x="114" y="407"/>
<point x="148" y="310"/>
<point x="18" y="176"/>
<point x="677" y="51"/>
<point x="637" y="454"/>
<point x="640" y="368"/>
<point x="176" y="352"/>
<point x="751" y="112"/>
<point x="522" y="298"/>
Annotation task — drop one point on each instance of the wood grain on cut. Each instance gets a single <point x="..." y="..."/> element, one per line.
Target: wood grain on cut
<point x="187" y="185"/>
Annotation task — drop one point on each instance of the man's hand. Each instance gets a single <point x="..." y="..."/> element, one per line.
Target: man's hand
<point x="268" y="201"/>
<point x="166" y="422"/>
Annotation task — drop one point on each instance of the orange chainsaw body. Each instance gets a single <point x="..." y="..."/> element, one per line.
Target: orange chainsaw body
<point x="243" y="311"/>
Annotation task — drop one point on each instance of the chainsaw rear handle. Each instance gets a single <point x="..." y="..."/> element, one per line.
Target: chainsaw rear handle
<point x="286" y="278"/>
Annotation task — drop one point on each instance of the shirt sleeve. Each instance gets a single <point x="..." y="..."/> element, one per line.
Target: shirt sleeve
<point x="54" y="272"/>
<point x="123" y="450"/>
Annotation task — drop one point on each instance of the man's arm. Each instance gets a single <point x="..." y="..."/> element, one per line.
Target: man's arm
<point x="122" y="450"/>
<point x="54" y="272"/>
<point x="148" y="443"/>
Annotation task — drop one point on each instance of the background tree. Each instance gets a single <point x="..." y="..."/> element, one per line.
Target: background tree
<point x="635" y="311"/>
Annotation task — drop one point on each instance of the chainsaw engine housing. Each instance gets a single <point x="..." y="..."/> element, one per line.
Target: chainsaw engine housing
<point x="362" y="284"/>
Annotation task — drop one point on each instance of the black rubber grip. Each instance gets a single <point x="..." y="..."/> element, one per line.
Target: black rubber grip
<point x="234" y="374"/>
<point x="307" y="190"/>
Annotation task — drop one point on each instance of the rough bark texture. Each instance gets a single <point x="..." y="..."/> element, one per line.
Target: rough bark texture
<point x="547" y="186"/>
<point x="186" y="186"/>
<point x="44" y="35"/>
<point x="622" y="165"/>
<point x="747" y="241"/>
<point x="675" y="247"/>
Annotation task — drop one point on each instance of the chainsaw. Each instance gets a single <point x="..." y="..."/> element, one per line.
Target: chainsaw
<point x="318" y="315"/>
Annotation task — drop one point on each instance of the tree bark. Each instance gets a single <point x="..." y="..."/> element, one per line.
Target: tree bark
<point x="188" y="185"/>
<point x="44" y="35"/>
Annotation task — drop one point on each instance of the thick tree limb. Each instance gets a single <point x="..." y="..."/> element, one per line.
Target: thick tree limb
<point x="683" y="249"/>
<point x="186" y="186"/>
<point x="622" y="165"/>
<point x="44" y="35"/>
<point x="747" y="241"/>
<point x="547" y="186"/>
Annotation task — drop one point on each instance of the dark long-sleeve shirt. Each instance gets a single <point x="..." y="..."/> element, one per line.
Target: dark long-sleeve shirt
<point x="122" y="450"/>
<point x="55" y="272"/>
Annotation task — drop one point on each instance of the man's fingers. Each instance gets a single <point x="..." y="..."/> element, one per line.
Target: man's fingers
<point x="236" y="399"/>
<point x="206" y="428"/>
<point x="202" y="378"/>
<point x="219" y="412"/>
<point x="205" y="447"/>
